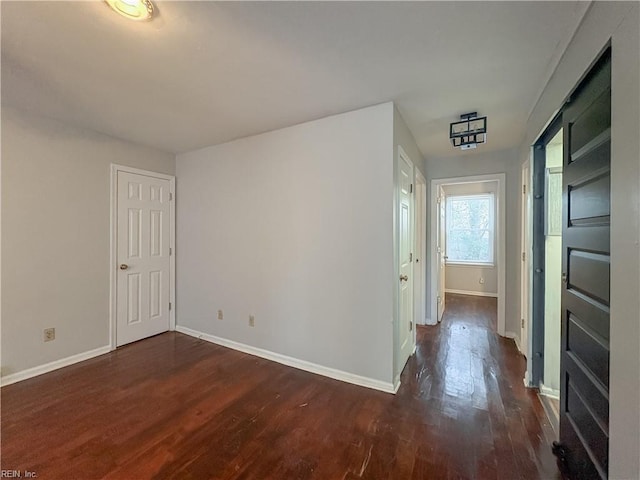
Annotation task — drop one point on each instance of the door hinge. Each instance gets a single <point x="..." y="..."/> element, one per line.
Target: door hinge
<point x="169" y="305"/>
<point x="524" y="256"/>
<point x="411" y="188"/>
<point x="411" y="257"/>
<point x="170" y="196"/>
<point x="170" y="251"/>
<point x="522" y="323"/>
<point x="410" y="326"/>
<point x="524" y="189"/>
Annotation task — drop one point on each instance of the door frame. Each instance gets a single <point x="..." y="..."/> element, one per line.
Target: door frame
<point x="113" y="245"/>
<point x="420" y="243"/>
<point x="534" y="375"/>
<point x="526" y="248"/>
<point x="500" y="178"/>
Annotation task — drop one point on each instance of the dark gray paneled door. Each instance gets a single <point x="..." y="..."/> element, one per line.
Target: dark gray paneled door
<point x="584" y="387"/>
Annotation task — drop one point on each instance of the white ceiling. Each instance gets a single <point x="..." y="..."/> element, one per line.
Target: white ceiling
<point x="203" y="73"/>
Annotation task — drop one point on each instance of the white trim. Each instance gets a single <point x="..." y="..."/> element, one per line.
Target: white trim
<point x="421" y="249"/>
<point x="470" y="292"/>
<point x="292" y="362"/>
<point x="172" y="257"/>
<point x="500" y="178"/>
<point x="55" y="365"/>
<point x="396" y="384"/>
<point x="516" y="339"/>
<point x="428" y="321"/>
<point x="458" y="263"/>
<point x="549" y="392"/>
<point x="113" y="236"/>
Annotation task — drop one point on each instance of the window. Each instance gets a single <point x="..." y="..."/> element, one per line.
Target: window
<point x="470" y="229"/>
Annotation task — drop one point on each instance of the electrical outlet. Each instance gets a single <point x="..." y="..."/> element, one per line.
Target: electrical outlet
<point x="220" y="315"/>
<point x="49" y="334"/>
<point x="252" y="321"/>
<point x="481" y="280"/>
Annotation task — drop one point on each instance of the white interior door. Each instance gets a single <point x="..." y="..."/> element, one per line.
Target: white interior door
<point x="143" y="262"/>
<point x="442" y="256"/>
<point x="405" y="259"/>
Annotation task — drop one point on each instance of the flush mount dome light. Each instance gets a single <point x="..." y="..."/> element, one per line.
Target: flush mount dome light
<point x="133" y="9"/>
<point x="469" y="131"/>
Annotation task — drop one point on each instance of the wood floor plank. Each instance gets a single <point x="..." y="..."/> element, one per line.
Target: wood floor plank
<point x="173" y="406"/>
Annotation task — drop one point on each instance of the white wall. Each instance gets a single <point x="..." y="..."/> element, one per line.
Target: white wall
<point x="403" y="137"/>
<point x="295" y="227"/>
<point x="466" y="164"/>
<point x="55" y="235"/>
<point x="617" y="22"/>
<point x="466" y="278"/>
<point x="553" y="285"/>
<point x="552" y="297"/>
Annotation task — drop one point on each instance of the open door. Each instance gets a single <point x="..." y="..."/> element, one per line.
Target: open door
<point x="442" y="257"/>
<point x="584" y="388"/>
<point x="405" y="225"/>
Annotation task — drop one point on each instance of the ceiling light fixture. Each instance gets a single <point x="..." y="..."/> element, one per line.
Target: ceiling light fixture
<point x="133" y="9"/>
<point x="469" y="131"/>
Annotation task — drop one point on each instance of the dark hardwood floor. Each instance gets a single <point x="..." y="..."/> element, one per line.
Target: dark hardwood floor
<point x="175" y="407"/>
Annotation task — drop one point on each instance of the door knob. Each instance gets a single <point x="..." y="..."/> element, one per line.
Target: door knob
<point x="404" y="277"/>
<point x="124" y="266"/>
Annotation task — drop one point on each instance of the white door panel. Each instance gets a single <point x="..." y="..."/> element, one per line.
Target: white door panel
<point x="143" y="262"/>
<point x="405" y="244"/>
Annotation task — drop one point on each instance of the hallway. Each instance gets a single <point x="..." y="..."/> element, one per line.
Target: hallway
<point x="487" y="424"/>
<point x="175" y="407"/>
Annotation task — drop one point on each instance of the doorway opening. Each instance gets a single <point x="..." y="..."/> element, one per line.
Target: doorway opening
<point x="468" y="220"/>
<point x="547" y="268"/>
<point x="420" y="272"/>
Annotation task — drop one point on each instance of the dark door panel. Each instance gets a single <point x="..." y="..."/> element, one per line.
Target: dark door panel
<point x="588" y="273"/>
<point x="593" y="314"/>
<point x="588" y="165"/>
<point x="588" y="348"/>
<point x="598" y="397"/>
<point x="584" y="369"/>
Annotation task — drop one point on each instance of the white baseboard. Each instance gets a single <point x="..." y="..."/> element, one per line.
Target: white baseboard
<point x="292" y="362"/>
<point x="515" y="338"/>
<point x="549" y="392"/>
<point x="396" y="383"/>
<point x="428" y="321"/>
<point x="55" y="365"/>
<point x="470" y="292"/>
<point x="527" y="382"/>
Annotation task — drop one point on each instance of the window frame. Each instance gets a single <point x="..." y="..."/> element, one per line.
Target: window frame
<point x="492" y="230"/>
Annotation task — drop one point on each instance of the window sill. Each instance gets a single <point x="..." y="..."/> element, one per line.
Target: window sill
<point x="471" y="264"/>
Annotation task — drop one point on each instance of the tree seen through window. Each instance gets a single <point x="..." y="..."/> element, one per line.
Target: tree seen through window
<point x="469" y="223"/>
